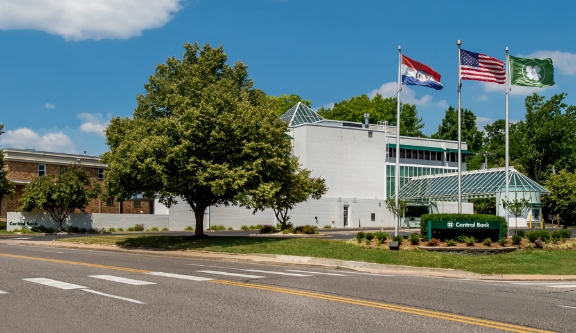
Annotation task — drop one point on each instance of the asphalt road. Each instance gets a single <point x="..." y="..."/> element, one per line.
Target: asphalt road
<point x="61" y="290"/>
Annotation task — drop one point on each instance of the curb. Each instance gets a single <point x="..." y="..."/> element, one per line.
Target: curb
<point x="274" y="259"/>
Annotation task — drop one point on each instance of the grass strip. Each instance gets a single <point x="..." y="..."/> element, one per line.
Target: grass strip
<point x="556" y="262"/>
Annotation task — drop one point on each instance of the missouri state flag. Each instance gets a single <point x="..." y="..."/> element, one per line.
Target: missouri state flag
<point x="415" y="73"/>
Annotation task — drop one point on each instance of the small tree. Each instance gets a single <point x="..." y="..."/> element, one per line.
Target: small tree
<point x="396" y="210"/>
<point x="562" y="197"/>
<point x="517" y="207"/>
<point x="292" y="187"/>
<point x="60" y="195"/>
<point x="6" y="186"/>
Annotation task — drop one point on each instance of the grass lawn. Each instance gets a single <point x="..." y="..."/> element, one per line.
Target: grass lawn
<point x="518" y="262"/>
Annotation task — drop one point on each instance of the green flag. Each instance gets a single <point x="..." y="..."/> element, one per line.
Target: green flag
<point x="531" y="72"/>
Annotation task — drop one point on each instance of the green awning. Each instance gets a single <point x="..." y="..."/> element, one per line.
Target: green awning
<point x="440" y="150"/>
<point x="464" y="151"/>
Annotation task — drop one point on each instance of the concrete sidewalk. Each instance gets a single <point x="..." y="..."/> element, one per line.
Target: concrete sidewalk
<point x="273" y="259"/>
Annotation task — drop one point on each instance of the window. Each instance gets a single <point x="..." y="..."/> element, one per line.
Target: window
<point x="110" y="202"/>
<point x="100" y="173"/>
<point x="137" y="204"/>
<point x="391" y="152"/>
<point x="41" y="170"/>
<point x="408" y="153"/>
<point x="373" y="217"/>
<point x="421" y="154"/>
<point x="427" y="155"/>
<point x="433" y="156"/>
<point x="402" y="151"/>
<point x="439" y="156"/>
<point x="63" y="170"/>
<point x="370" y="134"/>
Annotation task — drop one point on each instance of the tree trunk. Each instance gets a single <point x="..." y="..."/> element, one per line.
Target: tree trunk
<point x="199" y="216"/>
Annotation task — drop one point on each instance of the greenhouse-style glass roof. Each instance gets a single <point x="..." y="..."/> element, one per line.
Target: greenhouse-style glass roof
<point x="475" y="184"/>
<point x="300" y="114"/>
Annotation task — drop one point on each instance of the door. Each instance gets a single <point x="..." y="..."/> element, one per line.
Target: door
<point x="345" y="216"/>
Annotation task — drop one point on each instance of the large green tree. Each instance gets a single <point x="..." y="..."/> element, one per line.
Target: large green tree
<point x="200" y="132"/>
<point x="380" y="109"/>
<point x="547" y="136"/>
<point x="60" y="195"/>
<point x="288" y="190"/>
<point x="6" y="186"/>
<point x="562" y="197"/>
<point x="448" y="129"/>
<point x="283" y="102"/>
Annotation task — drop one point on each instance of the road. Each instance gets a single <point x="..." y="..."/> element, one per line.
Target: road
<point x="62" y="290"/>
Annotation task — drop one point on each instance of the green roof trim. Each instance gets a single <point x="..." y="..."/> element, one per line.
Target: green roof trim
<point x="464" y="151"/>
<point x="440" y="150"/>
<point x="300" y="114"/>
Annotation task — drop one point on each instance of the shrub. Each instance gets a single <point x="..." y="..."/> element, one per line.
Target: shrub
<point x="405" y="237"/>
<point x="516" y="239"/>
<point x="360" y="236"/>
<point x="256" y="227"/>
<point x="434" y="242"/>
<point x="470" y="241"/>
<point x="381" y="236"/>
<point x="267" y="229"/>
<point x="245" y="228"/>
<point x="112" y="229"/>
<point x="544" y="235"/>
<point x="189" y="228"/>
<point x="139" y="227"/>
<point x="415" y="239"/>
<point x="521" y="233"/>
<point x="82" y="230"/>
<point x="217" y="227"/>
<point x="130" y="229"/>
<point x="565" y="233"/>
<point x="327" y="226"/>
<point x="307" y="229"/>
<point x="121" y="229"/>
<point x="461" y="217"/>
<point x="287" y="231"/>
<point x="230" y="228"/>
<point x="462" y="238"/>
<point x="487" y="242"/>
<point x="93" y="231"/>
<point x="154" y="229"/>
<point x="504" y="241"/>
<point x="533" y="236"/>
<point x="41" y="228"/>
<point x="451" y="242"/>
<point x="164" y="229"/>
<point x="397" y="238"/>
<point x="369" y="236"/>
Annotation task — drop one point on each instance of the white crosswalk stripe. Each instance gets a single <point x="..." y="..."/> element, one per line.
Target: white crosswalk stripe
<point x="273" y="272"/>
<point x="122" y="280"/>
<point x="181" y="276"/>
<point x="55" y="283"/>
<point x="3" y="292"/>
<point x="233" y="274"/>
<point x="113" y="296"/>
<point x="563" y="286"/>
<point x="321" y="273"/>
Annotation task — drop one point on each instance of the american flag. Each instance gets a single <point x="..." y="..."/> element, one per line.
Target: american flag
<point x="480" y="67"/>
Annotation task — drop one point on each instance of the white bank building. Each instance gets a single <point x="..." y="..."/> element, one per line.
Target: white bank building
<point x="358" y="163"/>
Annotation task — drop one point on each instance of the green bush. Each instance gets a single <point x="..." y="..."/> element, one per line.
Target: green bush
<point x="2" y="225"/>
<point x="112" y="229"/>
<point x="255" y="227"/>
<point x="369" y="236"/>
<point x="381" y="236"/>
<point x="451" y="242"/>
<point x="121" y="229"/>
<point x="434" y="242"/>
<point x="287" y="231"/>
<point x="217" y="227"/>
<point x="397" y="238"/>
<point x="245" y="228"/>
<point x="470" y="241"/>
<point x="189" y="228"/>
<point x="405" y="237"/>
<point x="130" y="229"/>
<point x="487" y="242"/>
<point x="461" y="217"/>
<point x="360" y="236"/>
<point x="544" y="235"/>
<point x="504" y="241"/>
<point x="306" y="229"/>
<point x="516" y="239"/>
<point x="565" y="233"/>
<point x="328" y="226"/>
<point x="154" y="229"/>
<point x="41" y="228"/>
<point x="139" y="227"/>
<point x="533" y="236"/>
<point x="415" y="239"/>
<point x="267" y="229"/>
<point x="230" y="228"/>
<point x="165" y="229"/>
<point x="521" y="233"/>
<point x="82" y="230"/>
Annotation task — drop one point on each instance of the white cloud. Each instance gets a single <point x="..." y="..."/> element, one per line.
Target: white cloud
<point x="564" y="61"/>
<point x="93" y="123"/>
<point x="406" y="96"/>
<point x="483" y="121"/>
<point x="50" y="106"/>
<point x="94" y="19"/>
<point x="443" y="104"/>
<point x="25" y="138"/>
<point x="482" y="98"/>
<point x="514" y="90"/>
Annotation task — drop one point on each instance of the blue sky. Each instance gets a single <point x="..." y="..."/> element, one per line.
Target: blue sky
<point x="65" y="69"/>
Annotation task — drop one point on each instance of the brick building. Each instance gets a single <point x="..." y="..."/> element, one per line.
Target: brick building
<point x="25" y="165"/>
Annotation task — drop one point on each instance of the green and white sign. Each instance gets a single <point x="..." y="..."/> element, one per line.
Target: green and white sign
<point x="464" y="226"/>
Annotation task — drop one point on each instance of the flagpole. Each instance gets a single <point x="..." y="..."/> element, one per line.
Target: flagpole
<point x="397" y="173"/>
<point x="459" y="42"/>
<point x="507" y="134"/>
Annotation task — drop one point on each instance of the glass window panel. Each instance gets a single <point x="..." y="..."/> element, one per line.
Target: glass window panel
<point x="408" y="153"/>
<point x="421" y="154"/>
<point x="427" y="155"/>
<point x="433" y="156"/>
<point x="402" y="153"/>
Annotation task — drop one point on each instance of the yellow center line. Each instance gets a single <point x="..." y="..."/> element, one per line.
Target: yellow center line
<point x="390" y="307"/>
<point x="77" y="263"/>
<point x="385" y="306"/>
